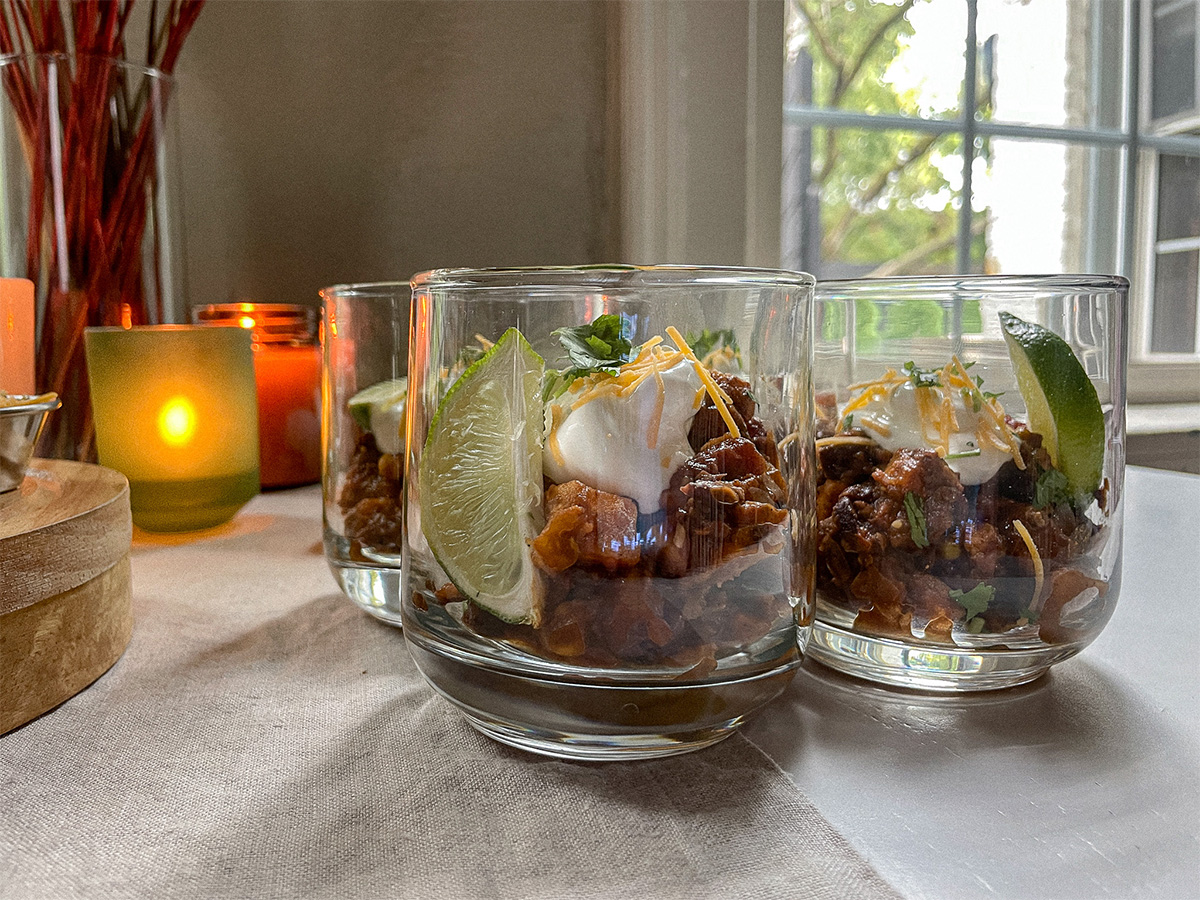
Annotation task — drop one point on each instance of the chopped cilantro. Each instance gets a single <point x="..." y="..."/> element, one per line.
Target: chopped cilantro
<point x="922" y="377"/>
<point x="916" y="519"/>
<point x="707" y="341"/>
<point x="1051" y="488"/>
<point x="601" y="345"/>
<point x="847" y="422"/>
<point x="976" y="600"/>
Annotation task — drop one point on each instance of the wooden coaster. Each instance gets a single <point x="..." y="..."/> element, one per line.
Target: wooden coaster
<point x="65" y="597"/>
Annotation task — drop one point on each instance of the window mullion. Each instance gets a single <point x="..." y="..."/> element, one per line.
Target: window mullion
<point x="968" y="140"/>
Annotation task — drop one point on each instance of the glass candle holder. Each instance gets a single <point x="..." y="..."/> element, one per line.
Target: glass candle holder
<point x="609" y="501"/>
<point x="176" y="414"/>
<point x="287" y="375"/>
<point x="970" y="444"/>
<point x="364" y="336"/>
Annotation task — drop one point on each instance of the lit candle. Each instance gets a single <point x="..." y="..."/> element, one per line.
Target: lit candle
<point x="16" y="335"/>
<point x="287" y="365"/>
<point x="175" y="412"/>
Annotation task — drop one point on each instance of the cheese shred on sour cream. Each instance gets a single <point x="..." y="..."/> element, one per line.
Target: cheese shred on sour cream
<point x="627" y="433"/>
<point x="949" y="415"/>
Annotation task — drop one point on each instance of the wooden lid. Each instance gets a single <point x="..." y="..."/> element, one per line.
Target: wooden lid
<point x="67" y="523"/>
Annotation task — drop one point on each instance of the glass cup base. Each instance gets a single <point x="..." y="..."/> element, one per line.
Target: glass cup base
<point x="373" y="590"/>
<point x="598" y="721"/>
<point x="930" y="668"/>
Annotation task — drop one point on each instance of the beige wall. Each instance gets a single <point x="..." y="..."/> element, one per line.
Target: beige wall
<point x="347" y="141"/>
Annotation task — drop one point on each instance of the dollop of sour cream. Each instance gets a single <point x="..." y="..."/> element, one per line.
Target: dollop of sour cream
<point x="610" y="442"/>
<point x="899" y="415"/>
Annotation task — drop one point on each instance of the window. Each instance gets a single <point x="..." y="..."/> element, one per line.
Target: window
<point x="1004" y="136"/>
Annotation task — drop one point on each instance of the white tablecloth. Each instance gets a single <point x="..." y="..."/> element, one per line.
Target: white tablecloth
<point x="263" y="738"/>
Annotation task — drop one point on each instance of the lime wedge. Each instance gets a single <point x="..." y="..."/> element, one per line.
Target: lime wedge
<point x="481" y="481"/>
<point x="379" y="409"/>
<point x="1061" y="401"/>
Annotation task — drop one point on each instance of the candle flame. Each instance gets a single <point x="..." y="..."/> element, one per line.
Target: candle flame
<point x="177" y="421"/>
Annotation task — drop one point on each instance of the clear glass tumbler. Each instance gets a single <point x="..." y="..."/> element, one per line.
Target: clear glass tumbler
<point x="364" y="338"/>
<point x="970" y="447"/>
<point x="610" y="501"/>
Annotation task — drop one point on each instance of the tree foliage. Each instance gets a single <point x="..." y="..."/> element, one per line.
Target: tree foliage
<point x="882" y="196"/>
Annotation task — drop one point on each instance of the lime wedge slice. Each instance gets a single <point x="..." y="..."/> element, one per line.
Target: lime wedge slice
<point x="1061" y="401"/>
<point x="379" y="409"/>
<point x="481" y="481"/>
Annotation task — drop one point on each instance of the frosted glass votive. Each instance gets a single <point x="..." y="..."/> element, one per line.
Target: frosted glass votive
<point x="176" y="413"/>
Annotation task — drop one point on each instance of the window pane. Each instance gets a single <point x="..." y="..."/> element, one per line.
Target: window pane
<point x="1178" y="197"/>
<point x="1055" y="63"/>
<point x="1173" y="323"/>
<point x="1049" y="207"/>
<point x="1173" y="83"/>
<point x="873" y="56"/>
<point x="877" y="199"/>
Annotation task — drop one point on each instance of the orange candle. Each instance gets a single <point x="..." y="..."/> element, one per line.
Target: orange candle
<point x="16" y="336"/>
<point x="289" y="420"/>
<point x="287" y="374"/>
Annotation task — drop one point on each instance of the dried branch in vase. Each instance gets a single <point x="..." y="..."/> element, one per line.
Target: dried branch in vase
<point x="90" y="122"/>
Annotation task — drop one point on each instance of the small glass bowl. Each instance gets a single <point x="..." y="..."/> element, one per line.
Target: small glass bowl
<point x="364" y="339"/>
<point x="659" y="571"/>
<point x="21" y="421"/>
<point x="963" y="543"/>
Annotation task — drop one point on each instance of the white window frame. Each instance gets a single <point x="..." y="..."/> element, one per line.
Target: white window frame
<point x="1158" y="377"/>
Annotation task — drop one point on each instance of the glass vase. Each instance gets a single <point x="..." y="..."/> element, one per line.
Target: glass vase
<point x="89" y="211"/>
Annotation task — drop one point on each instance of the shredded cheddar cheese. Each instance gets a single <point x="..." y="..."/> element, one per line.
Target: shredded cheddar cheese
<point x="714" y="390"/>
<point x="556" y="417"/>
<point x="935" y="409"/>
<point x="1039" y="571"/>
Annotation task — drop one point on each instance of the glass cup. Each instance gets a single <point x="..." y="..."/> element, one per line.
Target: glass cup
<point x="175" y="413"/>
<point x="364" y="338"/>
<point x="970" y="447"/>
<point x="609" y="501"/>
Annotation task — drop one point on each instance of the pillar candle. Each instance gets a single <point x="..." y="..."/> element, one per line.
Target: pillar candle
<point x="17" y="323"/>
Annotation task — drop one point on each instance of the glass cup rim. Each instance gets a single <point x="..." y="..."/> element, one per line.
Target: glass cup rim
<point x="980" y="283"/>
<point x="364" y="289"/>
<point x="609" y="275"/>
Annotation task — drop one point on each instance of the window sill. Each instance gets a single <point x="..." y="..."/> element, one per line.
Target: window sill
<point x="1162" y="418"/>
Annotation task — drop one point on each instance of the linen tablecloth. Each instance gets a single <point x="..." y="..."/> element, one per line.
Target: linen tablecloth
<point x="262" y="737"/>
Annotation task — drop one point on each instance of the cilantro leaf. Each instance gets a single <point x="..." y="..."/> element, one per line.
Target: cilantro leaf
<point x="600" y="345"/>
<point x="922" y="377"/>
<point x="976" y="600"/>
<point x="915" y="512"/>
<point x="707" y="341"/>
<point x="1051" y="488"/>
